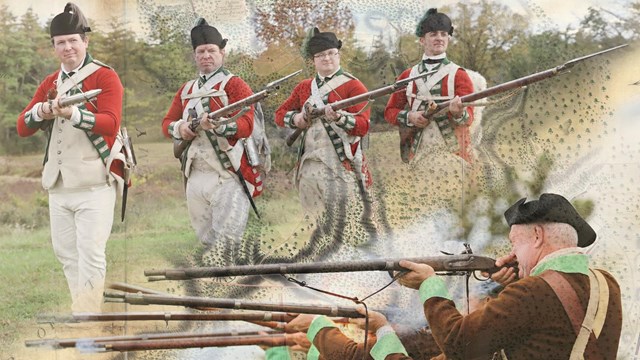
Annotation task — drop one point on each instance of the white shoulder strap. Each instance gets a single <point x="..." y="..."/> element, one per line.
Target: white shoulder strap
<point x="78" y="77"/>
<point x="597" y="305"/>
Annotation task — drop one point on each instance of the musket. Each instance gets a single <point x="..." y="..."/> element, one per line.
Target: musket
<point x="140" y="343"/>
<point x="408" y="133"/>
<point x="78" y="98"/>
<point x="444" y="263"/>
<point x="194" y="301"/>
<point x="133" y="288"/>
<point x="311" y="113"/>
<point x="130" y="163"/>
<point x="180" y="145"/>
<point x="165" y="316"/>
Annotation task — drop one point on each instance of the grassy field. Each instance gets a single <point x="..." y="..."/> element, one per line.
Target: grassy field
<point x="156" y="234"/>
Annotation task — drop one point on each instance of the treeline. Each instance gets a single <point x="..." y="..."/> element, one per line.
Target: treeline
<point x="488" y="38"/>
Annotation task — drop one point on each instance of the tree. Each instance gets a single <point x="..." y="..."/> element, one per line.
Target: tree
<point x="483" y="35"/>
<point x="26" y="59"/>
<point x="287" y="22"/>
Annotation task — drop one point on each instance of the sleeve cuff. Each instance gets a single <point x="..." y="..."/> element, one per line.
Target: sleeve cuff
<point x="87" y="119"/>
<point x="462" y="120"/>
<point x="403" y="118"/>
<point x="31" y="118"/>
<point x="277" y="353"/>
<point x="174" y="129"/>
<point x="76" y="117"/>
<point x="226" y="130"/>
<point x="288" y="119"/>
<point x="313" y="353"/>
<point x="433" y="287"/>
<point x="346" y="122"/>
<point x="384" y="331"/>
<point x="318" y="324"/>
<point x="386" y="345"/>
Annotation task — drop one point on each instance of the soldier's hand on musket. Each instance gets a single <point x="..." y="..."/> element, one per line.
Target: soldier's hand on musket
<point x="330" y="114"/>
<point x="417" y="119"/>
<point x="376" y="320"/>
<point x="302" y="343"/>
<point x="299" y="323"/>
<point x="46" y="111"/>
<point x="60" y="111"/>
<point x="208" y="124"/>
<point x="416" y="275"/>
<point x="507" y="274"/>
<point x="185" y="132"/>
<point x="299" y="120"/>
<point x="455" y="107"/>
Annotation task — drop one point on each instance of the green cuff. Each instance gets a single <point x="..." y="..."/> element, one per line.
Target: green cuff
<point x="30" y="121"/>
<point x="403" y="118"/>
<point x="463" y="119"/>
<point x="433" y="287"/>
<point x="87" y="120"/>
<point x="277" y="353"/>
<point x="386" y="345"/>
<point x="288" y="119"/>
<point x="346" y="122"/>
<point x="318" y="324"/>
<point x="313" y="353"/>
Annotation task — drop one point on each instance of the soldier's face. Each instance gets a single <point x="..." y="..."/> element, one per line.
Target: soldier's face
<point x="435" y="42"/>
<point x="209" y="57"/>
<point x="327" y="62"/>
<point x="70" y="49"/>
<point x="525" y="245"/>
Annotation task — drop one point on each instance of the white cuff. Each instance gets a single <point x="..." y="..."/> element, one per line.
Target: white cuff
<point x="34" y="112"/>
<point x="176" y="129"/>
<point x="75" y="116"/>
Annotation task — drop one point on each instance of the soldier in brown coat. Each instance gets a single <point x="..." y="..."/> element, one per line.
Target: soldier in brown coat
<point x="539" y="316"/>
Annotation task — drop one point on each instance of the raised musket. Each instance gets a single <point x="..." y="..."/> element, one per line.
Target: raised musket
<point x="311" y="113"/>
<point x="444" y="263"/>
<point x="241" y="105"/>
<point x="149" y="342"/>
<point x="408" y="133"/>
<point x="237" y="304"/>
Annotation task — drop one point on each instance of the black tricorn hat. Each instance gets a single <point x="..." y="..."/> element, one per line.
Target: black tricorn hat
<point x="70" y="21"/>
<point x="321" y="41"/>
<point x="551" y="208"/>
<point x="203" y="33"/>
<point x="434" y="21"/>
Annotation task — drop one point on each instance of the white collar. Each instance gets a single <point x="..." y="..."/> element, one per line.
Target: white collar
<point x="435" y="57"/>
<point x="74" y="70"/>
<point x="330" y="76"/>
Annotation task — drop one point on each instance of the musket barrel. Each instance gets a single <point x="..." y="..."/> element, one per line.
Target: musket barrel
<point x="165" y="316"/>
<point x="368" y="96"/>
<point x="524" y="81"/>
<point x="71" y="342"/>
<point x="137" y="345"/>
<point x="192" y="301"/>
<point x="163" y="341"/>
<point x="79" y="98"/>
<point x="252" y="99"/>
<point x="466" y="262"/>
